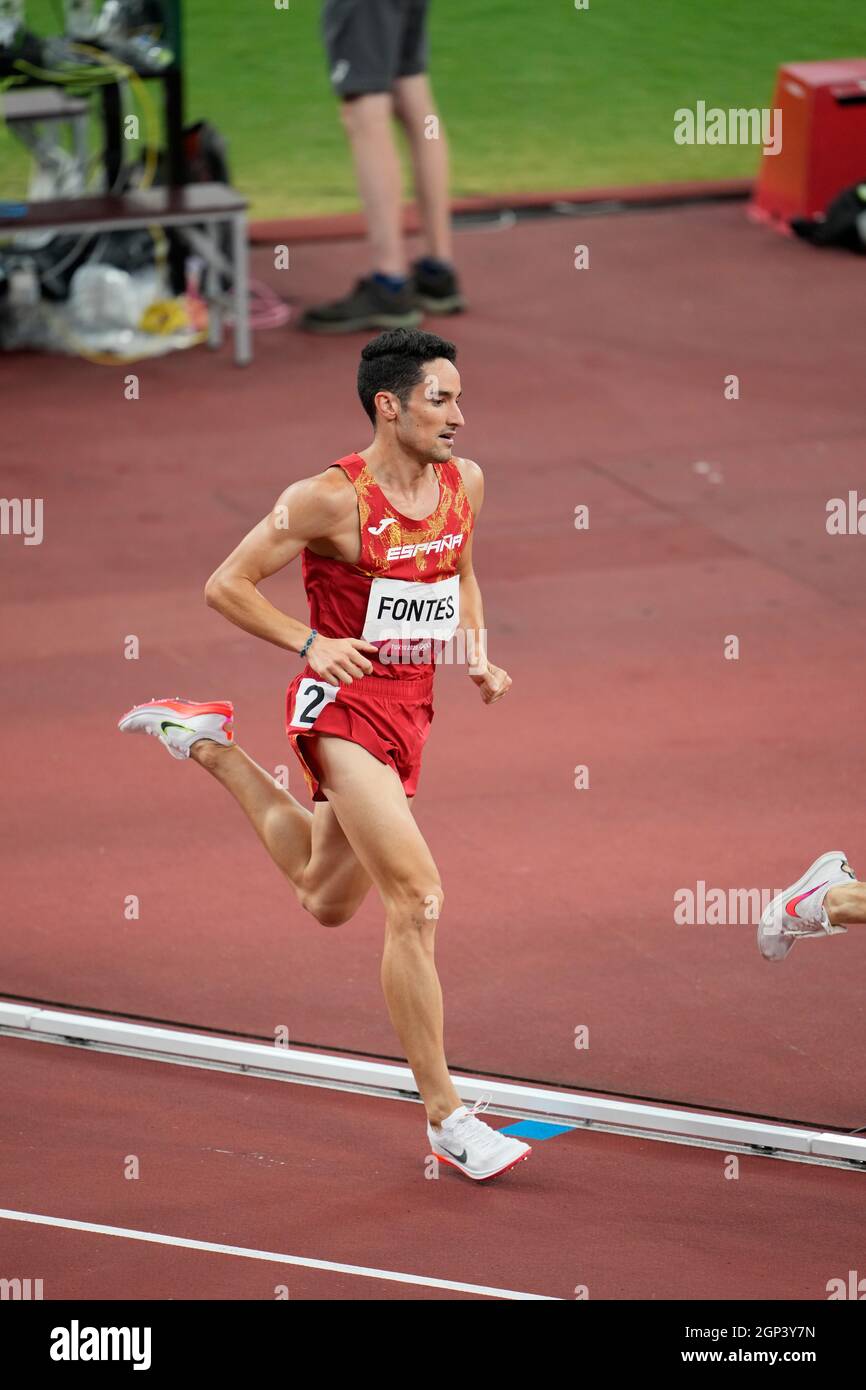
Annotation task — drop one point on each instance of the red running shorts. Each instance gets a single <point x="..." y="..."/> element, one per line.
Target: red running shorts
<point x="390" y="718"/>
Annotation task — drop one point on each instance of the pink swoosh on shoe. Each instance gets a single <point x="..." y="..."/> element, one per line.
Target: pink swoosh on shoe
<point x="791" y="904"/>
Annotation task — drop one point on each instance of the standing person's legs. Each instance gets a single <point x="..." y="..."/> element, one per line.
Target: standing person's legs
<point x="363" y="44"/>
<point x="367" y="120"/>
<point x="413" y="107"/>
<point x="368" y="800"/>
<point x="435" y="283"/>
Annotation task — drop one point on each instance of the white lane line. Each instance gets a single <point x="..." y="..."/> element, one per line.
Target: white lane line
<point x="271" y="1256"/>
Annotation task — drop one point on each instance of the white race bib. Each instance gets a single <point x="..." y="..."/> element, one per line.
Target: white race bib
<point x="408" y="611"/>
<point x="311" y="697"/>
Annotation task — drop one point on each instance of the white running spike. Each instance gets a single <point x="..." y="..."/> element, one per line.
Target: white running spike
<point x="178" y="724"/>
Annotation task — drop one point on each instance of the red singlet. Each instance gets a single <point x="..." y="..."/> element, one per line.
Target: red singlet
<point x="402" y="595"/>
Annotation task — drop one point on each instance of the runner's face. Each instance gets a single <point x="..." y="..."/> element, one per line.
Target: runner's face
<point x="432" y="416"/>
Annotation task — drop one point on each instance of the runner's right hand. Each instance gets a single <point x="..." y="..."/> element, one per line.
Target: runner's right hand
<point x="340" y="659"/>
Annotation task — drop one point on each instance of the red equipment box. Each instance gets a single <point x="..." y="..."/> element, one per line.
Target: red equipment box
<point x="823" y="150"/>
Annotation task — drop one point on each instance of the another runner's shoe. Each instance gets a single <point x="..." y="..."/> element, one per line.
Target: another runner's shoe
<point x="469" y="1144"/>
<point x="799" y="911"/>
<point x="178" y="724"/>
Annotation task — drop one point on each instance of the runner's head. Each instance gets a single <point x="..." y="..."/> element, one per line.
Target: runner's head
<point x="409" y="387"/>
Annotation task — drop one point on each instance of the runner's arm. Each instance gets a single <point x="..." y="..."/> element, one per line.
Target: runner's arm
<point x="310" y="509"/>
<point x="471" y="606"/>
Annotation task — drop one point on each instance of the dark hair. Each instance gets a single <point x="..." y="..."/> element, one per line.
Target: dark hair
<point x="393" y="362"/>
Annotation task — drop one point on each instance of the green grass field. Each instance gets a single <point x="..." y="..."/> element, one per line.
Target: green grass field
<point x="534" y="94"/>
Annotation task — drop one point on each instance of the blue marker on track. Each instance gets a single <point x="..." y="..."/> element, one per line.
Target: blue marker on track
<point x="535" y="1129"/>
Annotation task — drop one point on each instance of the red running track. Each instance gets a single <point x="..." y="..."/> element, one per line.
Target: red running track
<point x="602" y="387"/>
<point x="322" y="1175"/>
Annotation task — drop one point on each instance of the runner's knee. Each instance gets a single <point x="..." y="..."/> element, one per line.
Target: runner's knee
<point x="327" y="913"/>
<point x="414" y="900"/>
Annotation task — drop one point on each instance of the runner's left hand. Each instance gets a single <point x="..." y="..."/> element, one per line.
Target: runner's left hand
<point x="493" y="683"/>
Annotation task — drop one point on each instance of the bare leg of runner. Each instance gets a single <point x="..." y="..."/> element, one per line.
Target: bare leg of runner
<point x="308" y="847"/>
<point x="370" y="805"/>
<point x="845" y="904"/>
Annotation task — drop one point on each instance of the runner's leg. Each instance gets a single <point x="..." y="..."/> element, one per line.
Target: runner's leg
<point x="370" y="804"/>
<point x="845" y="904"/>
<point x="308" y="847"/>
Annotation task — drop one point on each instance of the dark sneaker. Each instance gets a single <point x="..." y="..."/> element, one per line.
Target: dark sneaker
<point x="437" y="291"/>
<point x="370" y="305"/>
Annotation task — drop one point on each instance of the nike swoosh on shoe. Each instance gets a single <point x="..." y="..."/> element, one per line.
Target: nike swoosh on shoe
<point x="460" y="1158"/>
<point x="791" y="904"/>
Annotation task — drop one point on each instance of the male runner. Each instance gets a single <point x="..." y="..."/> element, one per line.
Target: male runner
<point x="386" y="543"/>
<point x="826" y="900"/>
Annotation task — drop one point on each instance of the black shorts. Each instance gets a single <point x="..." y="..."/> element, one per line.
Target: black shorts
<point x="370" y="43"/>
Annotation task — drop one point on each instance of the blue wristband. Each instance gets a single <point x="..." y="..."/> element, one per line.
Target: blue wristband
<point x="309" y="642"/>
